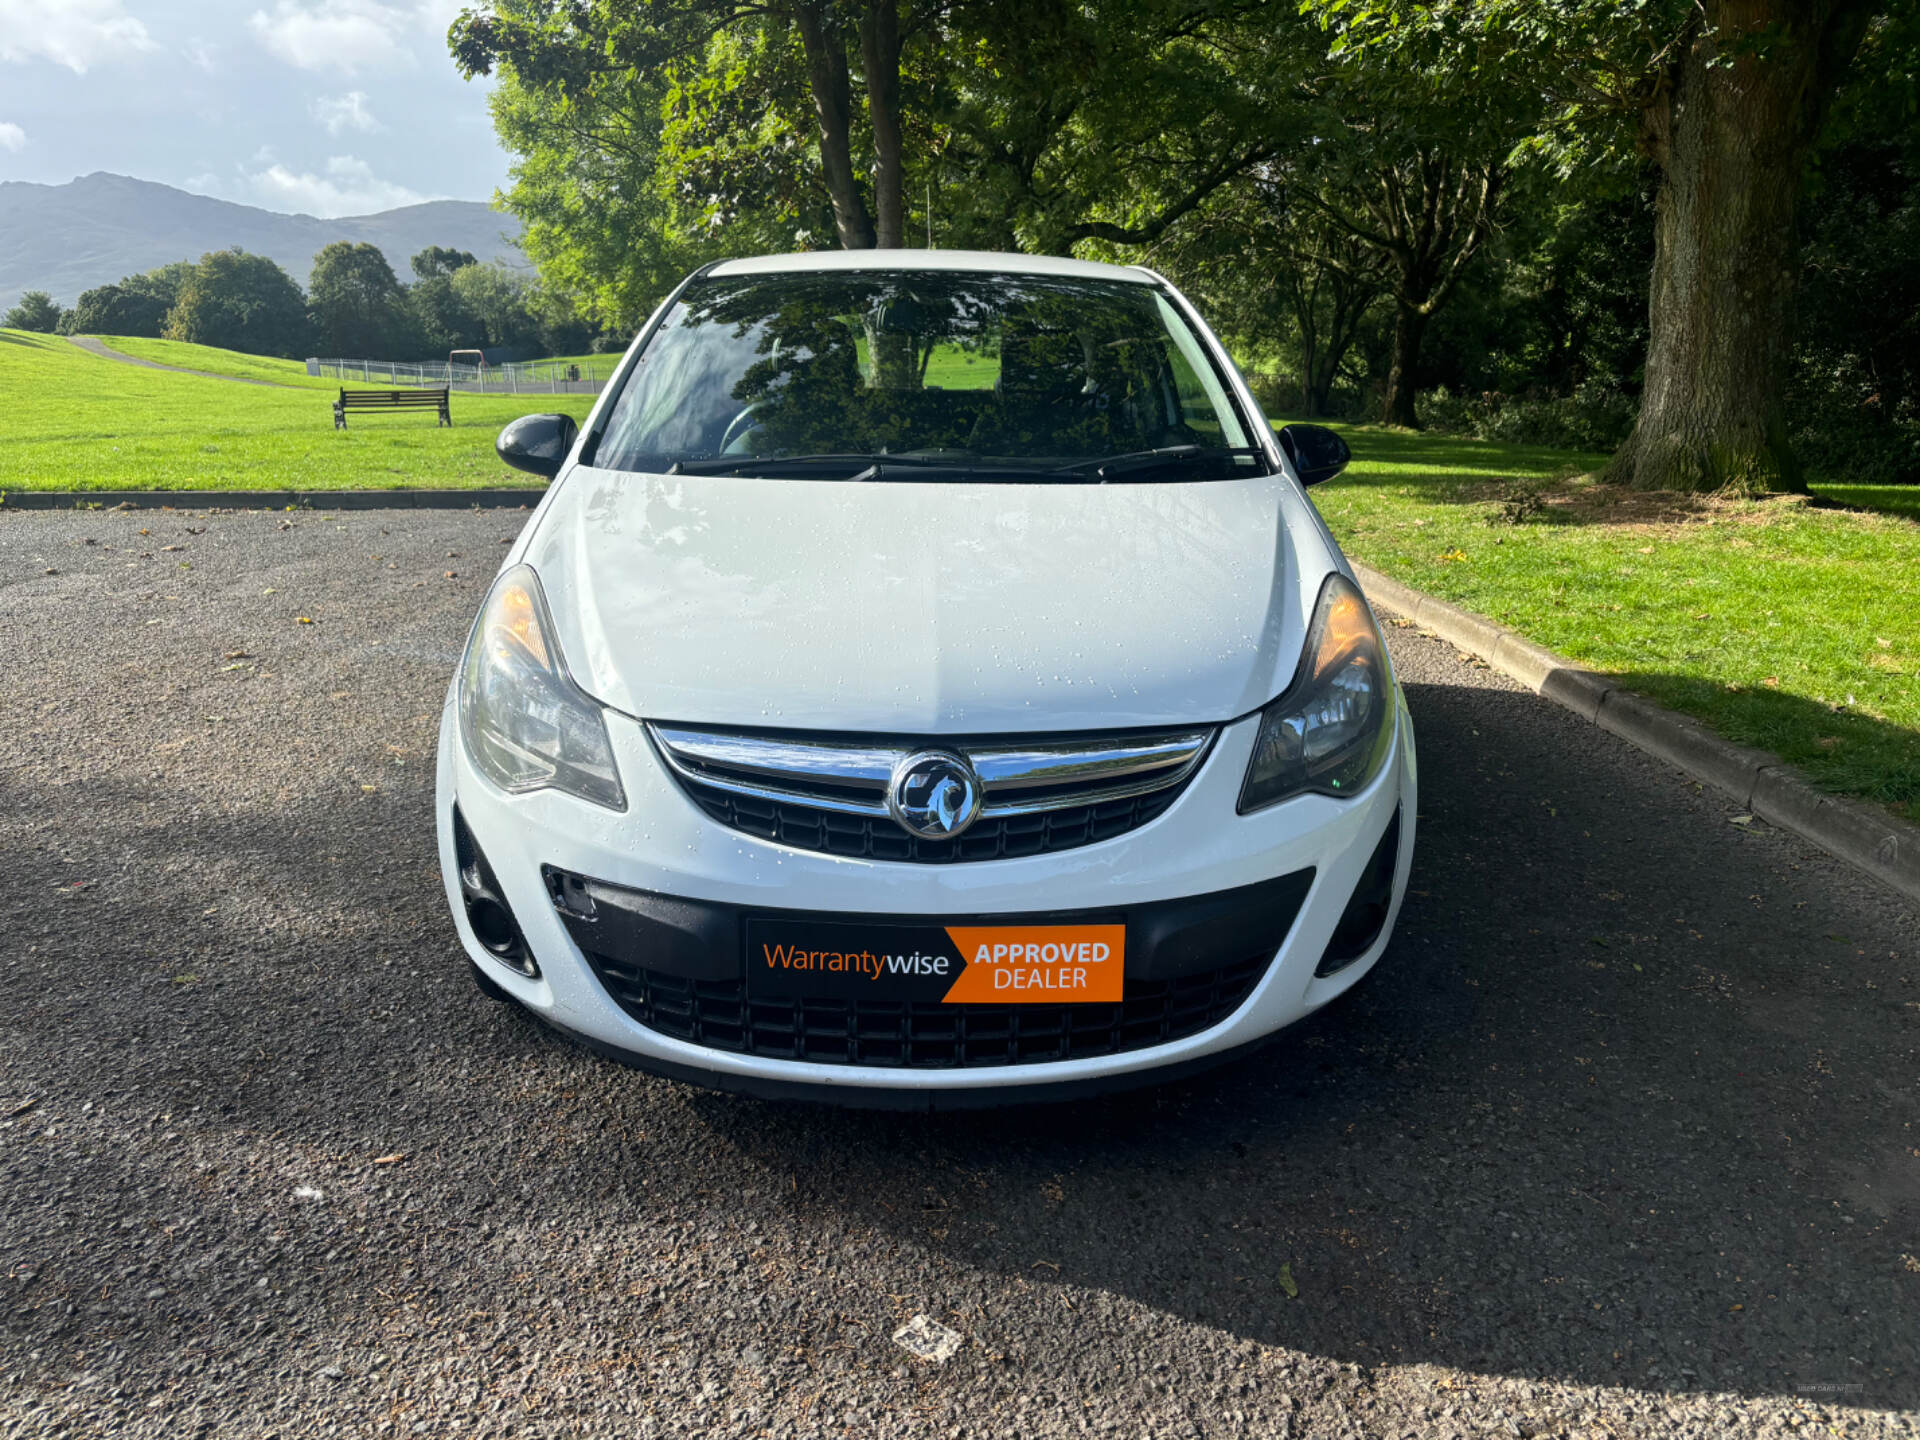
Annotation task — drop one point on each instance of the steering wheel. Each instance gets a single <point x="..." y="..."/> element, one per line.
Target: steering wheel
<point x="738" y="429"/>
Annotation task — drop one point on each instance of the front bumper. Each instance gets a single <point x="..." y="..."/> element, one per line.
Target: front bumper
<point x="664" y="846"/>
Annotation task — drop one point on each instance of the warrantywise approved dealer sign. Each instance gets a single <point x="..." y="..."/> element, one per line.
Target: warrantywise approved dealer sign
<point x="953" y="964"/>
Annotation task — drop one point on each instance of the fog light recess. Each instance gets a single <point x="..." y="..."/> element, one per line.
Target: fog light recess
<point x="1366" y="913"/>
<point x="487" y="909"/>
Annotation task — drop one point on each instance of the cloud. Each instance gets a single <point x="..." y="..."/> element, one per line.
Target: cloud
<point x="12" y="137"/>
<point x="73" y="33"/>
<point x="349" y="36"/>
<point x="348" y="187"/>
<point x="344" y="112"/>
<point x="199" y="55"/>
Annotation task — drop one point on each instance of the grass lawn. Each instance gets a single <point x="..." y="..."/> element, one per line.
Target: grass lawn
<point x="952" y="367"/>
<point x="1889" y="499"/>
<point x="290" y="372"/>
<point x="1781" y="625"/>
<point x="217" y="361"/>
<point x="76" y="421"/>
<point x="602" y="364"/>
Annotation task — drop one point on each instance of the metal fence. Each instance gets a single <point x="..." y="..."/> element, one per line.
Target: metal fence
<point x="533" y="377"/>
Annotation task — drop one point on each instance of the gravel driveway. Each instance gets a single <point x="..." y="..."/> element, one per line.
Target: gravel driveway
<point x="1622" y="1139"/>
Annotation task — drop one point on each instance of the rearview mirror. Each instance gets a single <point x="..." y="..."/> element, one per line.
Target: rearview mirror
<point x="538" y="444"/>
<point x="1315" y="452"/>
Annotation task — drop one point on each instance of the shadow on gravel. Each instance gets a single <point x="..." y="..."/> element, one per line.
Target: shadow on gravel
<point x="1630" y="1101"/>
<point x="1622" y="1105"/>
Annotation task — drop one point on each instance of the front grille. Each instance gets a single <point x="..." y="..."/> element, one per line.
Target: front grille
<point x="871" y="838"/>
<point x="1036" y="794"/>
<point x="922" y="1035"/>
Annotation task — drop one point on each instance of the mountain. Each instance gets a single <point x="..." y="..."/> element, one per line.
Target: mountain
<point x="91" y="231"/>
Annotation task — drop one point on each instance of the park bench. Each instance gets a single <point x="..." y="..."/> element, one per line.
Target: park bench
<point x="390" y="400"/>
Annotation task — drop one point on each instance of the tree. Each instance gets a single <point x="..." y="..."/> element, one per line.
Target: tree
<point x="155" y="292"/>
<point x="587" y="180"/>
<point x="1273" y="271"/>
<point x="562" y="328"/>
<point x="568" y="47"/>
<point x="645" y="132"/>
<point x="1108" y="124"/>
<point x="137" y="305"/>
<point x="118" y="310"/>
<point x="442" y="318"/>
<point x="438" y="261"/>
<point x="241" y="302"/>
<point x="358" y="307"/>
<point x="498" y="299"/>
<point x="738" y="151"/>
<point x="1726" y="99"/>
<point x="1853" y="396"/>
<point x="1425" y="213"/>
<point x="35" y="311"/>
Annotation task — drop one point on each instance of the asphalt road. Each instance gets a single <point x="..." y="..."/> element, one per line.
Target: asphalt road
<point x="1623" y="1139"/>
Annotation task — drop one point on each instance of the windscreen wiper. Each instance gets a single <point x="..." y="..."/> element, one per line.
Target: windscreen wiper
<point x="867" y="467"/>
<point x="892" y="468"/>
<point x="1133" y="462"/>
<point x="734" y="464"/>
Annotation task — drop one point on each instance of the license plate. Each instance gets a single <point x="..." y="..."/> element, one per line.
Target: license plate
<point x="973" y="964"/>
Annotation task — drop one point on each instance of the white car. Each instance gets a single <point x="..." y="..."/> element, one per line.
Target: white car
<point x="925" y="681"/>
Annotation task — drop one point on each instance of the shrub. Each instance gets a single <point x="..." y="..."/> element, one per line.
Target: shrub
<point x="1593" y="417"/>
<point x="1861" y="450"/>
<point x="1282" y="398"/>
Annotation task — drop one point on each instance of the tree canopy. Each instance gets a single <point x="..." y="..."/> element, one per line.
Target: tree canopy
<point x="1548" y="203"/>
<point x="239" y="301"/>
<point x="1726" y="101"/>
<point x="35" y="310"/>
<point x="358" y="306"/>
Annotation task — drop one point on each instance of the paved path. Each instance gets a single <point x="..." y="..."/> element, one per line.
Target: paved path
<point x="94" y="346"/>
<point x="1623" y="1140"/>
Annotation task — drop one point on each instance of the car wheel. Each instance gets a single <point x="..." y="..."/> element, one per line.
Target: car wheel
<point x="484" y="983"/>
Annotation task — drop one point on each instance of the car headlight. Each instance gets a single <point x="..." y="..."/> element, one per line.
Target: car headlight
<point x="1329" y="733"/>
<point x="527" y="726"/>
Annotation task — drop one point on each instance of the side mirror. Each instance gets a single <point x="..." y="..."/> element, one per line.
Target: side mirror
<point x="1316" y="452"/>
<point x="538" y="444"/>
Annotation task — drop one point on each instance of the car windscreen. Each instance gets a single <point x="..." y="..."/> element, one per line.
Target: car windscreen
<point x="930" y="373"/>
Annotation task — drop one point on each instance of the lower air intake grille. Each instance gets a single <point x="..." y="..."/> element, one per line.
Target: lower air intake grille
<point x="924" y="1036"/>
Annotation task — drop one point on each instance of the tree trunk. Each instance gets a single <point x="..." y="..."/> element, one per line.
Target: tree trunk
<point x="1731" y="131"/>
<point x="1409" y="328"/>
<point x="891" y="358"/>
<point x="1352" y="298"/>
<point x="880" y="58"/>
<point x="833" y="107"/>
<point x="1426" y="217"/>
<point x="1304" y="293"/>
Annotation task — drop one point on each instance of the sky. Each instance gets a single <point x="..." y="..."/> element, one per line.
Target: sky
<point x="326" y="107"/>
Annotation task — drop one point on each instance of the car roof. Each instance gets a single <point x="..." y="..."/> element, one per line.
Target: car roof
<point x="998" y="262"/>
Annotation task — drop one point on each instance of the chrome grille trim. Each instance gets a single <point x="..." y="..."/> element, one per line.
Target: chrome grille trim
<point x="1163" y="759"/>
<point x="770" y="767"/>
<point x="851" y="777"/>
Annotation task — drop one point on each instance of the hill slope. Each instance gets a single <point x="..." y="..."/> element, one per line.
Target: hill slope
<point x="78" y="420"/>
<point x="91" y="231"/>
